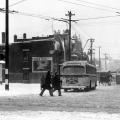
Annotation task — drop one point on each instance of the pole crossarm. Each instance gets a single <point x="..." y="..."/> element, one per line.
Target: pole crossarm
<point x="68" y="20"/>
<point x="3" y="10"/>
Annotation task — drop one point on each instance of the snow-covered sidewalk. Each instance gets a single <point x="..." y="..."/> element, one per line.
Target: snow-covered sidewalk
<point x="30" y="114"/>
<point x="19" y="89"/>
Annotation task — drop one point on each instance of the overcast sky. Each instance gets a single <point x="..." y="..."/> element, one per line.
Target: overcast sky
<point x="105" y="31"/>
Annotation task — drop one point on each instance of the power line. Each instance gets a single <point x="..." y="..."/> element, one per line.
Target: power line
<point x="42" y="17"/>
<point x="75" y="30"/>
<point x="52" y="18"/>
<point x="58" y="19"/>
<point x="98" y="18"/>
<point x="27" y="14"/>
<point x="98" y="5"/>
<point x="100" y="23"/>
<point x="86" y="41"/>
<point x="82" y="31"/>
<point x="62" y="20"/>
<point x="33" y="15"/>
<point x="86" y="5"/>
<point x="17" y="3"/>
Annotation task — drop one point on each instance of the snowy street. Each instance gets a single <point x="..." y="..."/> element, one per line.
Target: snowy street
<point x="50" y="115"/>
<point x="22" y="102"/>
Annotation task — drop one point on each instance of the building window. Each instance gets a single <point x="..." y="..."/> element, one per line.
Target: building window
<point x="26" y="55"/>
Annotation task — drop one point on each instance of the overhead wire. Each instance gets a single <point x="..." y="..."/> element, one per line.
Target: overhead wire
<point x="86" y="35"/>
<point x="57" y="19"/>
<point x="103" y="9"/>
<point x="17" y="3"/>
<point x="100" y="5"/>
<point x="98" y="17"/>
<point x="42" y="16"/>
<point x="48" y="18"/>
<point x="75" y="29"/>
<point x="83" y="31"/>
<point x="33" y="15"/>
<point x="61" y="19"/>
<point x="100" y="23"/>
<point x="76" y="4"/>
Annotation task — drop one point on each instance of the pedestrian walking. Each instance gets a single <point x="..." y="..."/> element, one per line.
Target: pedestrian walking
<point x="46" y="84"/>
<point x="42" y="80"/>
<point x="109" y="77"/>
<point x="56" y="83"/>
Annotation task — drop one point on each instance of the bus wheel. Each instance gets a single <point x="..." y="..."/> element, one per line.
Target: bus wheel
<point x="95" y="86"/>
<point x="65" y="90"/>
<point x="86" y="89"/>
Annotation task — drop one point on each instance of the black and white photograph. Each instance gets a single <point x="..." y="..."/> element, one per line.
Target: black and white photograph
<point x="59" y="60"/>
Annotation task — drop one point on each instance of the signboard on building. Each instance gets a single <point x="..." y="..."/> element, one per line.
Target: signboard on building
<point x="0" y="73"/>
<point x="41" y="64"/>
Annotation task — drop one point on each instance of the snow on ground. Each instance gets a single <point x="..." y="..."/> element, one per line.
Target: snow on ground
<point x="26" y="89"/>
<point x="19" y="89"/>
<point x="51" y="115"/>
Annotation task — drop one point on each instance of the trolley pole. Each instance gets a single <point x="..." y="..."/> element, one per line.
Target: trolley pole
<point x="99" y="59"/>
<point x="105" y="61"/>
<point x="7" y="46"/>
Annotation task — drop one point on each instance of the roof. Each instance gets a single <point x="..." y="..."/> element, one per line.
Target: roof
<point x="82" y="63"/>
<point x="37" y="40"/>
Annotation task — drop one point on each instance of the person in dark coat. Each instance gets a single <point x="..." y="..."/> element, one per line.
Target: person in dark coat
<point x="109" y="77"/>
<point x="56" y="84"/>
<point x="46" y="84"/>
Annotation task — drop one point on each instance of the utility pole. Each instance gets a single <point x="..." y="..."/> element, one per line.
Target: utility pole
<point x="105" y="61"/>
<point x="7" y="46"/>
<point x="99" y="59"/>
<point x="91" y="50"/>
<point x="69" y="15"/>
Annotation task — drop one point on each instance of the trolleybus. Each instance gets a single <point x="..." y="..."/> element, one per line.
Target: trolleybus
<point x="78" y="75"/>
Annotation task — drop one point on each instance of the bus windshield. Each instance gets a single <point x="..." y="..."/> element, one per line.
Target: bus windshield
<point x="73" y="70"/>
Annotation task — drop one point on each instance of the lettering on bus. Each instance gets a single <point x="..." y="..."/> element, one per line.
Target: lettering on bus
<point x="71" y="80"/>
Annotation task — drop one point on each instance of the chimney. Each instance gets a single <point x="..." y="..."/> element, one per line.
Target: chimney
<point x="3" y="37"/>
<point x="15" y="38"/>
<point x="24" y="36"/>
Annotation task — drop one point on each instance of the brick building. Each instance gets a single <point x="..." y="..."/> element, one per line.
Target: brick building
<point x="29" y="58"/>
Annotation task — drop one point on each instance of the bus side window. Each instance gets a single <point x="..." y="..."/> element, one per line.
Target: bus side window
<point x="90" y="70"/>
